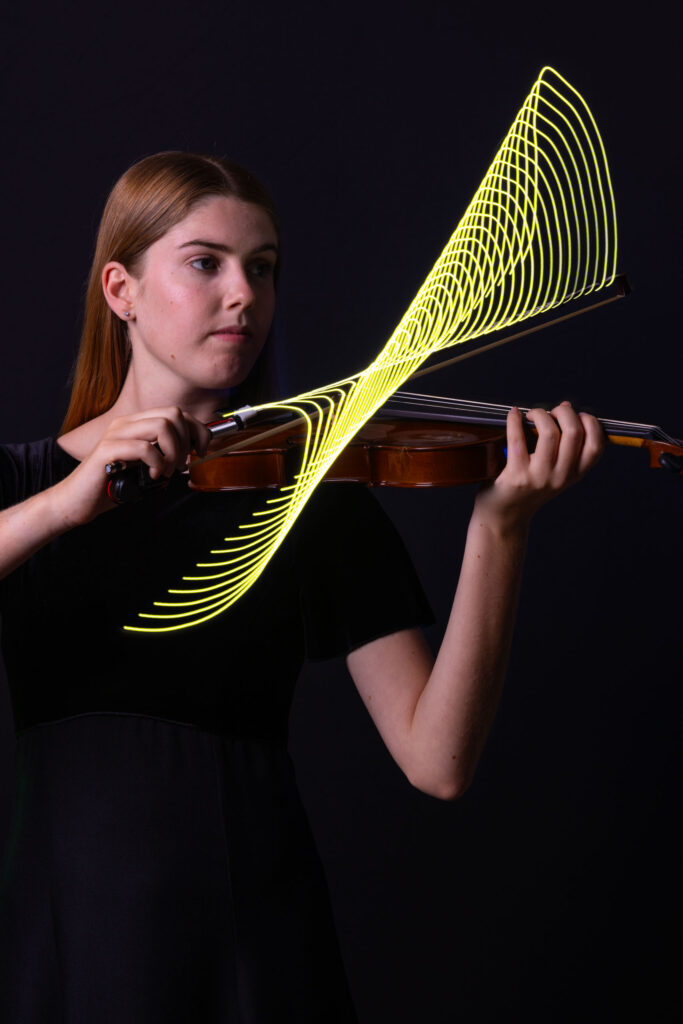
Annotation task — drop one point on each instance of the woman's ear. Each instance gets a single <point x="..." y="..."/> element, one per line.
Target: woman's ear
<point x="119" y="290"/>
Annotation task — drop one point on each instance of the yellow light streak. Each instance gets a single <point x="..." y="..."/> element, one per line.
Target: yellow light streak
<point x="540" y="231"/>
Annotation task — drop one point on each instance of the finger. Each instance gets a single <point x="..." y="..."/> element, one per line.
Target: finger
<point x="517" y="450"/>
<point x="128" y="450"/>
<point x="174" y="438"/>
<point x="199" y="434"/>
<point x="161" y="432"/>
<point x="191" y="433"/>
<point x="545" y="453"/>
<point x="156" y="430"/>
<point x="173" y="446"/>
<point x="179" y="421"/>
<point x="172" y="413"/>
<point x="570" y="443"/>
<point x="594" y="443"/>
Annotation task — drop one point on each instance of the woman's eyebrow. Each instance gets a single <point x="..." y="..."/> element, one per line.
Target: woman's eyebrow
<point x="220" y="247"/>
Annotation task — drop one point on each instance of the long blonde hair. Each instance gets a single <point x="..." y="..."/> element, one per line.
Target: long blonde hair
<point x="149" y="199"/>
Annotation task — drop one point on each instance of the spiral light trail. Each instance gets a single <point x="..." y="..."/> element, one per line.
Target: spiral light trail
<point x="540" y="231"/>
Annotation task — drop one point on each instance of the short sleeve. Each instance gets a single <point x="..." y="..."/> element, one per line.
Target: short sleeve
<point x="25" y="469"/>
<point x="10" y="477"/>
<point x="357" y="582"/>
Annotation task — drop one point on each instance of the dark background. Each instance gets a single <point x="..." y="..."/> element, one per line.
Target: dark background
<point x="548" y="892"/>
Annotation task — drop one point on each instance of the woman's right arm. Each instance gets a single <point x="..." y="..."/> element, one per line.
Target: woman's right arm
<point x="161" y="438"/>
<point x="28" y="526"/>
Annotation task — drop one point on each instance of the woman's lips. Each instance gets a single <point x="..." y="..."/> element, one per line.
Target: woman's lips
<point x="233" y="333"/>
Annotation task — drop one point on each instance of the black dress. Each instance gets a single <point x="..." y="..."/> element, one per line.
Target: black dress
<point x="160" y="866"/>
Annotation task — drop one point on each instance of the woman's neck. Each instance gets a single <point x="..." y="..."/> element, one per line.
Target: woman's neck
<point x="140" y="393"/>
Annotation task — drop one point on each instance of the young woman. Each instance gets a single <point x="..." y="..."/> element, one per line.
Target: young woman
<point x="160" y="866"/>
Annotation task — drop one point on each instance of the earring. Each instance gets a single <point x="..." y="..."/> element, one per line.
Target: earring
<point x="127" y="313"/>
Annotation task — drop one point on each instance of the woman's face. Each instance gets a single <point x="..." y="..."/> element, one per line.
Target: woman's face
<point x="203" y="299"/>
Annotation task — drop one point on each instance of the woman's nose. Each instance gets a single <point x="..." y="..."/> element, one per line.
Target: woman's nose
<point x="239" y="291"/>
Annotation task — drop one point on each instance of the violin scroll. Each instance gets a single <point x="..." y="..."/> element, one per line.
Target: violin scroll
<point x="668" y="460"/>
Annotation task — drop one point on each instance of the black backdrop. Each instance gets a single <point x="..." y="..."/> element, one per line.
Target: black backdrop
<point x="548" y="891"/>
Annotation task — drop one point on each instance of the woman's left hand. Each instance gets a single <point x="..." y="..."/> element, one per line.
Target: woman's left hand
<point x="569" y="443"/>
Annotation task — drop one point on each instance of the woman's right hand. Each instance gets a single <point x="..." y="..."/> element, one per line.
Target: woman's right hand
<point x="160" y="438"/>
<point x="26" y="527"/>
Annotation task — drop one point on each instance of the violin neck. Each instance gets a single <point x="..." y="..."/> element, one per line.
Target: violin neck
<point x="437" y="407"/>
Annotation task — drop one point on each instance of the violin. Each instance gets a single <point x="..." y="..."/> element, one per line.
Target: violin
<point x="413" y="441"/>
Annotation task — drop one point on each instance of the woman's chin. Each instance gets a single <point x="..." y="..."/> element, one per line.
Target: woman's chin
<point x="223" y="379"/>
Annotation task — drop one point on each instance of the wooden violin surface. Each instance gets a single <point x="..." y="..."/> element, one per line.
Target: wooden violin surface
<point x="387" y="452"/>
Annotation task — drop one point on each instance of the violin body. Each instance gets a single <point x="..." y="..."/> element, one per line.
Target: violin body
<point x="389" y="451"/>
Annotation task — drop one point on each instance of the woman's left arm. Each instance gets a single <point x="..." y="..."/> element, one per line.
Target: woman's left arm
<point x="435" y="715"/>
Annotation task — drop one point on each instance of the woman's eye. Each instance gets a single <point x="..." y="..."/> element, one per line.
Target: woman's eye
<point x="204" y="263"/>
<point x="262" y="268"/>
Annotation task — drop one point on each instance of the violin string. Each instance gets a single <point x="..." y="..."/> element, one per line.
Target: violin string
<point x="413" y="400"/>
<point x="462" y="410"/>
